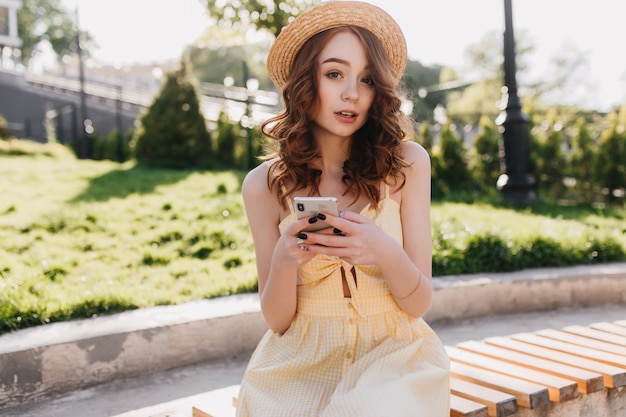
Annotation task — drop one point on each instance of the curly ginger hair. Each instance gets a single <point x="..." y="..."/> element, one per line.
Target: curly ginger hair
<point x="374" y="155"/>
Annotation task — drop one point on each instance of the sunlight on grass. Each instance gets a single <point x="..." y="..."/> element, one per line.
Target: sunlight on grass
<point x="81" y="238"/>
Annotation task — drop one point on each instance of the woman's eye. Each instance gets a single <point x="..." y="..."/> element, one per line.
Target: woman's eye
<point x="333" y="74"/>
<point x="368" y="81"/>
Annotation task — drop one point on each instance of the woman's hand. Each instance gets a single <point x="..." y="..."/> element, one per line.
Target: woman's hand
<point x="353" y="237"/>
<point x="295" y="244"/>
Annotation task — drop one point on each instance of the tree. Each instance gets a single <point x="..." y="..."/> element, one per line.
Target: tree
<point x="568" y="80"/>
<point x="47" y="20"/>
<point x="213" y="65"/>
<point x="173" y="132"/>
<point x="271" y="15"/>
<point x="485" y="60"/>
<point x="417" y="79"/>
<point x="480" y="98"/>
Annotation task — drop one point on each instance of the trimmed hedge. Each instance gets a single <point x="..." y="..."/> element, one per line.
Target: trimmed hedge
<point x="492" y="253"/>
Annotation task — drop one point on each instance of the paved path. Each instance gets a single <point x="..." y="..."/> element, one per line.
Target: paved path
<point x="211" y="384"/>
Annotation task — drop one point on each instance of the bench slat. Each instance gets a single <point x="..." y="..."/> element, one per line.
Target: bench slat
<point x="559" y="389"/>
<point x="527" y="394"/>
<point x="597" y="335"/>
<point x="498" y="403"/>
<point x="462" y="407"/>
<point x="583" y="341"/>
<point x="587" y="381"/>
<point x="613" y="376"/>
<point x="582" y="351"/>
<point x="196" y="412"/>
<point x="609" y="328"/>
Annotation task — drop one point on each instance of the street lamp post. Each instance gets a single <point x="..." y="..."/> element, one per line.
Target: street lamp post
<point x="516" y="184"/>
<point x="86" y="148"/>
<point x="118" y="123"/>
<point x="252" y="86"/>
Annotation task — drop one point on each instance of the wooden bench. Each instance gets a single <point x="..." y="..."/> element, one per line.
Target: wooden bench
<point x="536" y="374"/>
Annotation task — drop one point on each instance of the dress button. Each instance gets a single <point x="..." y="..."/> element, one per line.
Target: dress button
<point x="350" y="320"/>
<point x="349" y="355"/>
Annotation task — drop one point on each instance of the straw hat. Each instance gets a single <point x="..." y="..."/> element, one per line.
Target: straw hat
<point x="329" y="15"/>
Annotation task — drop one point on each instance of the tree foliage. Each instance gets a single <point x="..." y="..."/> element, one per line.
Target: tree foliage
<point x="47" y="20"/>
<point x="213" y="65"/>
<point x="271" y="15"/>
<point x="418" y="78"/>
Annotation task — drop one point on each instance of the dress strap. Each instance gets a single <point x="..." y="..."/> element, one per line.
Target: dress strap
<point x="386" y="190"/>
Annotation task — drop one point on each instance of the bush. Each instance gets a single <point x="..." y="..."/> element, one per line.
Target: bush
<point x="5" y="132"/>
<point x="485" y="155"/>
<point x="551" y="168"/>
<point x="225" y="141"/>
<point x="450" y="167"/>
<point x="610" y="162"/>
<point x="108" y="147"/>
<point x="488" y="252"/>
<point x="173" y="132"/>
<point x="581" y="162"/>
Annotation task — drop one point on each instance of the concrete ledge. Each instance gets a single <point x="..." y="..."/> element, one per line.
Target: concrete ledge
<point x="64" y="356"/>
<point x="466" y="296"/>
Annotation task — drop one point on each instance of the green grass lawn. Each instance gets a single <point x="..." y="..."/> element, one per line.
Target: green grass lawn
<point x="80" y="238"/>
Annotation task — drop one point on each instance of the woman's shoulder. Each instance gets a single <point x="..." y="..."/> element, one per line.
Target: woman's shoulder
<point x="414" y="154"/>
<point x="255" y="182"/>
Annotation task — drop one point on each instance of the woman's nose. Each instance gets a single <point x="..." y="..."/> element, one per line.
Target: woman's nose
<point x="351" y="91"/>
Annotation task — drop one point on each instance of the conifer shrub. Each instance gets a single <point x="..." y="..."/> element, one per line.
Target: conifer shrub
<point x="226" y="140"/>
<point x="609" y="170"/>
<point x="450" y="167"/>
<point x="580" y="164"/>
<point x="173" y="132"/>
<point x="485" y="155"/>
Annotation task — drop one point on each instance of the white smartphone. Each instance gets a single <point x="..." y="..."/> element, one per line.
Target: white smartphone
<point x="307" y="207"/>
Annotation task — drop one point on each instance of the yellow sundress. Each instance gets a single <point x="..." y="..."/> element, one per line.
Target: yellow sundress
<point x="355" y="357"/>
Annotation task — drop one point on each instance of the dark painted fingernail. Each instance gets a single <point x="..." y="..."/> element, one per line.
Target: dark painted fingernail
<point x="312" y="219"/>
<point x="321" y="216"/>
<point x="302" y="236"/>
<point x="337" y="231"/>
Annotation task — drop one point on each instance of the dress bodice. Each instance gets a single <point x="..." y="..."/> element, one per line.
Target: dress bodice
<point x="320" y="280"/>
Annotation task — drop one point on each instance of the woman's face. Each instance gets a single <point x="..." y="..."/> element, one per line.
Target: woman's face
<point x="345" y="90"/>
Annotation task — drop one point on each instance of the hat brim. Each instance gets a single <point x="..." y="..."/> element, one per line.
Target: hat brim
<point x="329" y="15"/>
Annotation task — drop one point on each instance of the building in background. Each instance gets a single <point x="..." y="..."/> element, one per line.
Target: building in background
<point x="9" y="41"/>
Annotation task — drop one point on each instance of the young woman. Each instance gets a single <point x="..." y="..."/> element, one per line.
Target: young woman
<point x="343" y="304"/>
